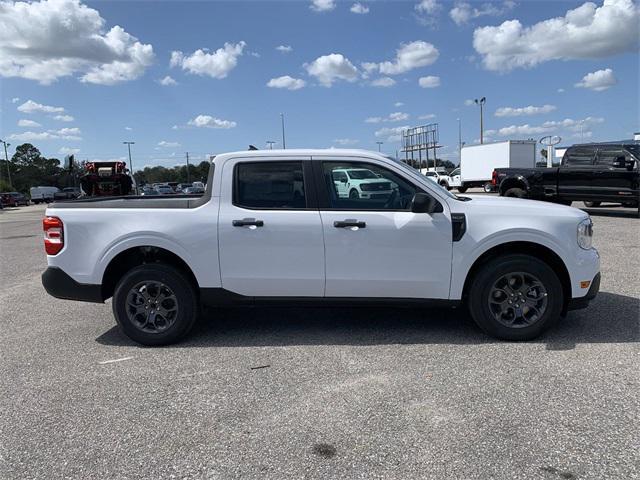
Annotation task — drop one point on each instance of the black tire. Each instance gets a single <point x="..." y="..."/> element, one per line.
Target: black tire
<point x="487" y="187"/>
<point x="445" y="185"/>
<point x="591" y="204"/>
<point x="482" y="288"/>
<point x="186" y="301"/>
<point x="515" y="193"/>
<point x="462" y="189"/>
<point x="353" y="194"/>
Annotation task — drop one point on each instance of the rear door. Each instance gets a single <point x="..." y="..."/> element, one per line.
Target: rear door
<point x="269" y="229"/>
<point x="375" y="246"/>
<point x="576" y="173"/>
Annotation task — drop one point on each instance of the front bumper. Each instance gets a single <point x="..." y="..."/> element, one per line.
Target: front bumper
<point x="583" y="302"/>
<point x="60" y="285"/>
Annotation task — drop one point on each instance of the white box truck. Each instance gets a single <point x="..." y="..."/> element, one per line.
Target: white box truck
<point x="478" y="161"/>
<point x="42" y="194"/>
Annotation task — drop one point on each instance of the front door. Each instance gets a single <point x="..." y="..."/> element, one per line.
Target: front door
<point x="616" y="175"/>
<point x="374" y="245"/>
<point x="270" y="231"/>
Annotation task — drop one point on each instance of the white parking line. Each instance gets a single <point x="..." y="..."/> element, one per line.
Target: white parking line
<point x="115" y="360"/>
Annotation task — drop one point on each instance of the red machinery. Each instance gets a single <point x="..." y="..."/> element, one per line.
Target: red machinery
<point x="106" y="179"/>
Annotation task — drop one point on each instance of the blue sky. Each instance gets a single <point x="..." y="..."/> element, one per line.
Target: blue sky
<point x="565" y="68"/>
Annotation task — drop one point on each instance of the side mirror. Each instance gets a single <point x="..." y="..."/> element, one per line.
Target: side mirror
<point x="619" y="163"/>
<point x="423" y="203"/>
<point x="343" y="180"/>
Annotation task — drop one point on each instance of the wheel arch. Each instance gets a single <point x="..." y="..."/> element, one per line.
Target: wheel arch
<point x="537" y="250"/>
<point x="514" y="182"/>
<point x="132" y="257"/>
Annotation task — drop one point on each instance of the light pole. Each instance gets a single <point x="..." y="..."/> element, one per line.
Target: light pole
<point x="379" y="145"/>
<point x="270" y="143"/>
<point x="188" y="174"/>
<point x="459" y="142"/>
<point x="128" y="144"/>
<point x="481" y="102"/>
<point x="284" y="145"/>
<point x="6" y="157"/>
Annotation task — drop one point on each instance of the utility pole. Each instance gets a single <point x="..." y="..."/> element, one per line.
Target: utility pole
<point x="379" y="145"/>
<point x="459" y="142"/>
<point x="270" y="143"/>
<point x="284" y="145"/>
<point x="6" y="157"/>
<point x="128" y="144"/>
<point x="188" y="175"/>
<point x="481" y="102"/>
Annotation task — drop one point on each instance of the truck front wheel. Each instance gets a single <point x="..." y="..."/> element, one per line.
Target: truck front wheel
<point x="515" y="297"/>
<point x="155" y="304"/>
<point x="516" y="193"/>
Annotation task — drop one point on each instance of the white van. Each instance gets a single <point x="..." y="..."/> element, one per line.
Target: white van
<point x="42" y="194"/>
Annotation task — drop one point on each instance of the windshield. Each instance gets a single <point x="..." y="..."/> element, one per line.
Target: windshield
<point x="430" y="174"/>
<point x="415" y="174"/>
<point x="362" y="174"/>
<point x="634" y="149"/>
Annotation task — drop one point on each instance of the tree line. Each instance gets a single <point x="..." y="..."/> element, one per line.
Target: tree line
<point x="29" y="168"/>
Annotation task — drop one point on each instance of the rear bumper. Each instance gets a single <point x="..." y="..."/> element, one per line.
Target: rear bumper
<point x="583" y="302"/>
<point x="60" y="285"/>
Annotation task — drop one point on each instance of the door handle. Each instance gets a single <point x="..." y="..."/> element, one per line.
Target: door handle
<point x="349" y="223"/>
<point x="246" y="222"/>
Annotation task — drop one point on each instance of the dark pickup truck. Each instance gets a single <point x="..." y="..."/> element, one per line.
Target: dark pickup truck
<point x="592" y="173"/>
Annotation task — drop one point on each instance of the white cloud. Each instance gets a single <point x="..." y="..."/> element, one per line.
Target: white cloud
<point x="408" y="56"/>
<point x="62" y="134"/>
<point x="207" y="121"/>
<point x="64" y="118"/>
<point x="128" y="129"/>
<point x="359" y="8"/>
<point x="68" y="151"/>
<point x="391" y="134"/>
<point x="383" y="82"/>
<point x="428" y="7"/>
<point x="322" y="5"/>
<point x="398" y="104"/>
<point x="429" y="81"/>
<point x="28" y="123"/>
<point x="586" y="32"/>
<point x="345" y="141"/>
<point x="428" y="116"/>
<point x="561" y="90"/>
<point x="522" y="111"/>
<point x="167" y="81"/>
<point x="567" y="124"/>
<point x="215" y="65"/>
<point x="50" y="39"/>
<point x="284" y="48"/>
<point x="463" y="12"/>
<point x="31" y="107"/>
<point x="468" y="102"/>
<point x="331" y="68"/>
<point x="392" y="117"/>
<point x="287" y="82"/>
<point x="165" y="144"/>
<point x="598" y="81"/>
<point x="15" y="99"/>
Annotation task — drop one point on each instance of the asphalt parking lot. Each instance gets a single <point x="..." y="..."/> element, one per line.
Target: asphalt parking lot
<point x="318" y="393"/>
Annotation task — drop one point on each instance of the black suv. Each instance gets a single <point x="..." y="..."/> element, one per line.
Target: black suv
<point x="592" y="173"/>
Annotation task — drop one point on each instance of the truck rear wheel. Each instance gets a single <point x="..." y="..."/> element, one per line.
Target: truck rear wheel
<point x="155" y="304"/>
<point x="592" y="204"/>
<point x="516" y="193"/>
<point x="515" y="297"/>
<point x="462" y="189"/>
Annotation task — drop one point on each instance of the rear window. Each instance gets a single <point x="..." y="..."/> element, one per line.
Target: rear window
<point x="269" y="185"/>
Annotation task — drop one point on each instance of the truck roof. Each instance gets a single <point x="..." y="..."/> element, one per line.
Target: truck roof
<point x="301" y="152"/>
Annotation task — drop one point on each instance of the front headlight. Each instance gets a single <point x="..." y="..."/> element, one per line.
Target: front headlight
<point x="585" y="233"/>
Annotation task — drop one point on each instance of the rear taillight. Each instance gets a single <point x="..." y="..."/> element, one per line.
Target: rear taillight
<point x="53" y="235"/>
<point x="494" y="178"/>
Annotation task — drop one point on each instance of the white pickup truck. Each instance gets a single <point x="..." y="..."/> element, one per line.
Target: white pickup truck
<point x="272" y="226"/>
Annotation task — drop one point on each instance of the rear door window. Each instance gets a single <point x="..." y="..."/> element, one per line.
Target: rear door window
<point x="579" y="157"/>
<point x="606" y="156"/>
<point x="269" y="185"/>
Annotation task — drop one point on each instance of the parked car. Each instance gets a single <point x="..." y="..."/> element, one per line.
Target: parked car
<point x="182" y="186"/>
<point x="199" y="185"/>
<point x="193" y="191"/>
<point x="148" y="191"/>
<point x="164" y="190"/>
<point x="42" y="194"/>
<point x="14" y="199"/>
<point x="67" y="193"/>
<point x="251" y="239"/>
<point x="592" y="173"/>
<point x="357" y="183"/>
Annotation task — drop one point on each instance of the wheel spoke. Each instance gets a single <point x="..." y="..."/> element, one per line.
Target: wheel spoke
<point x="517" y="299"/>
<point x="152" y="306"/>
